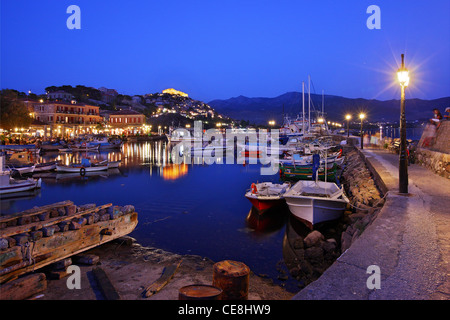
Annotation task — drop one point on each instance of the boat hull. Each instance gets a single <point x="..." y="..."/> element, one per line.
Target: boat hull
<point x="263" y="205"/>
<point x="80" y="169"/>
<point x="20" y="186"/>
<point x="312" y="211"/>
<point x="45" y="167"/>
<point x="306" y="173"/>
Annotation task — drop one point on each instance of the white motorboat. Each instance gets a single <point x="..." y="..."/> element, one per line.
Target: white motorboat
<point x="313" y="202"/>
<point x="266" y="195"/>
<point x="10" y="185"/>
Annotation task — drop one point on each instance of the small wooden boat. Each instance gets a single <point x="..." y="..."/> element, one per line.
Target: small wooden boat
<point x="48" y="146"/>
<point x="110" y="164"/>
<point x="106" y="144"/>
<point x="266" y="195"/>
<point x="65" y="150"/>
<point x="24" y="169"/>
<point x="85" y="147"/>
<point x="48" y="166"/>
<point x="313" y="202"/>
<point x="82" y="168"/>
<point x="10" y="185"/>
<point x="44" y="235"/>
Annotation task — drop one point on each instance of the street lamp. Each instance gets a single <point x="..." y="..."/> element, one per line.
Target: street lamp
<point x="348" y="117"/>
<point x="362" y="116"/>
<point x="403" y="79"/>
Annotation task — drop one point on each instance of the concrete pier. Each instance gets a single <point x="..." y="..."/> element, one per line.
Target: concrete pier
<point x="409" y="241"/>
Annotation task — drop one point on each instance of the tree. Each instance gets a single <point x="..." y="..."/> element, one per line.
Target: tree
<point x="13" y="112"/>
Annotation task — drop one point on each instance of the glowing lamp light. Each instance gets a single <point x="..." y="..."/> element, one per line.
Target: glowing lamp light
<point x="348" y="117"/>
<point x="362" y="116"/>
<point x="403" y="77"/>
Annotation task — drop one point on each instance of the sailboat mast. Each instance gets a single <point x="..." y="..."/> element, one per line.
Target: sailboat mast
<point x="322" y="103"/>
<point x="309" y="102"/>
<point x="303" y="107"/>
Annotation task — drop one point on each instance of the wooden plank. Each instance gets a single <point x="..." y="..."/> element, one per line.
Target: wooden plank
<point x="34" y="211"/>
<point x="42" y="224"/>
<point x="166" y="276"/>
<point x="105" y="285"/>
<point x="24" y="287"/>
<point x="66" y="244"/>
<point x="23" y="264"/>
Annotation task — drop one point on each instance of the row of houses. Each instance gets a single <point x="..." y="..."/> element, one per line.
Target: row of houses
<point x="64" y="118"/>
<point x="62" y="112"/>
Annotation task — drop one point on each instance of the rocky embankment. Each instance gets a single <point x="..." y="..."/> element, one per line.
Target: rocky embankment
<point x="308" y="254"/>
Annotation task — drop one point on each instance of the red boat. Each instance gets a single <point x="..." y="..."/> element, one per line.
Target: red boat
<point x="251" y="154"/>
<point x="266" y="195"/>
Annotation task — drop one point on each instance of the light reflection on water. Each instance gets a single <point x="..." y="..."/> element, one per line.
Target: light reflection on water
<point x="186" y="208"/>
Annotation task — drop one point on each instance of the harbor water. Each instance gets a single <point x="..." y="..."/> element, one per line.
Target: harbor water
<point x="186" y="209"/>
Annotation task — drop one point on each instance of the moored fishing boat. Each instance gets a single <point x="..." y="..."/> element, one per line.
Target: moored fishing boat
<point x="106" y="144"/>
<point x="82" y="168"/>
<point x="110" y="164"/>
<point x="49" y="146"/>
<point x="23" y="169"/>
<point x="313" y="202"/>
<point x="48" y="166"/>
<point x="266" y="195"/>
<point x="10" y="185"/>
<point x="305" y="172"/>
<point x="85" y="147"/>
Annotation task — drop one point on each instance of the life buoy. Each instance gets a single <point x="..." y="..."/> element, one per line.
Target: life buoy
<point x="254" y="189"/>
<point x="83" y="144"/>
<point x="82" y="171"/>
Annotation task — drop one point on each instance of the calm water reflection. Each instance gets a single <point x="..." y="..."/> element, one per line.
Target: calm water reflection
<point x="186" y="209"/>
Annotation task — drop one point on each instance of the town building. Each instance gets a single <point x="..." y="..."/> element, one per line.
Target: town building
<point x="108" y="95"/>
<point x="67" y="113"/>
<point x="126" y="121"/>
<point x="59" y="95"/>
<point x="175" y="92"/>
<point x="59" y="118"/>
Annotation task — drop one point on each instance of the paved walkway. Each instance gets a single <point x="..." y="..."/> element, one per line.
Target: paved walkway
<point x="409" y="241"/>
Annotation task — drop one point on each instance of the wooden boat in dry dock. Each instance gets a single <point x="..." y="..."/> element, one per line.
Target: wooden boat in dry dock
<point x="34" y="238"/>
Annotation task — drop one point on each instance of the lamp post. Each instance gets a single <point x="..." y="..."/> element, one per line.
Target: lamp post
<point x="403" y="79"/>
<point x="348" y="118"/>
<point x="362" y="116"/>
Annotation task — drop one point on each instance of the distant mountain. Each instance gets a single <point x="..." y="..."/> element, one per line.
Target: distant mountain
<point x="261" y="110"/>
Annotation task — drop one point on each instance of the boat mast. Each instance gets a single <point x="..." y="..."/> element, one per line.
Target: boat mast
<point x="309" y="102"/>
<point x="322" y="103"/>
<point x="303" y="108"/>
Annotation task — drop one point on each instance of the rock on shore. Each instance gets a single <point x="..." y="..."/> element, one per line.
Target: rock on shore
<point x="365" y="198"/>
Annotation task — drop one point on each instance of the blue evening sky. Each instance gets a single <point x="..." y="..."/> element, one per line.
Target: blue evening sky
<point x="221" y="49"/>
